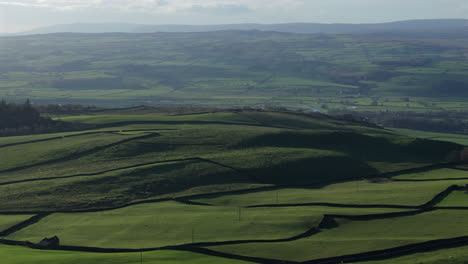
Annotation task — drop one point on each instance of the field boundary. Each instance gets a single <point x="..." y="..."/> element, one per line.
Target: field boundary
<point x="30" y="221"/>
<point x="336" y="205"/>
<point x="326" y="223"/>
<point x="107" y="171"/>
<point x="359" y="257"/>
<point x="435" y="200"/>
<point x="391" y="174"/>
<point x="188" y="200"/>
<point x="277" y="187"/>
<point x="394" y="252"/>
<point x="79" y="154"/>
<point x="428" y="180"/>
<point x="77" y="135"/>
<point x="188" y="122"/>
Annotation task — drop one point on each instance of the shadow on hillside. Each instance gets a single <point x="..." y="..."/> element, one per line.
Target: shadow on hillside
<point x="142" y="183"/>
<point x="362" y="147"/>
<point x="313" y="171"/>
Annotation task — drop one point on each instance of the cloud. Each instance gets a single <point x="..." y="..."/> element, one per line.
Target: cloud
<point x="157" y="6"/>
<point x="20" y="14"/>
<point x="221" y="9"/>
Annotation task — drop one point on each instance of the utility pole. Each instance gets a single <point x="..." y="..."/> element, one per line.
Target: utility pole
<point x="141" y="257"/>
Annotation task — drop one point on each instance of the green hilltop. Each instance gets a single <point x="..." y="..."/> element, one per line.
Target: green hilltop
<point x="172" y="185"/>
<point x="124" y="158"/>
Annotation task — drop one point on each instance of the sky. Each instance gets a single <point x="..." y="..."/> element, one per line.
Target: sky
<point x="21" y="15"/>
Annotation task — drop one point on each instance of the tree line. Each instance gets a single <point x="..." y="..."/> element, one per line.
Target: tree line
<point x="24" y="118"/>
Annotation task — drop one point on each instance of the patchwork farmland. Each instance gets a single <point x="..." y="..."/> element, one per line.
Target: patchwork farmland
<point x="231" y="186"/>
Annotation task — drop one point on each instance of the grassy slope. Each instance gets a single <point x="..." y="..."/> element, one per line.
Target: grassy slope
<point x="435" y="174"/>
<point x="7" y="221"/>
<point x="445" y="256"/>
<point x="456" y="199"/>
<point x="353" y="192"/>
<point x="230" y="68"/>
<point x="264" y="155"/>
<point x="27" y="154"/>
<point x="19" y="255"/>
<point x="360" y="236"/>
<point x="456" y="138"/>
<point x="358" y="154"/>
<point x="307" y="150"/>
<point x="105" y="119"/>
<point x="171" y="223"/>
<point x="27" y="138"/>
<point x="114" y="188"/>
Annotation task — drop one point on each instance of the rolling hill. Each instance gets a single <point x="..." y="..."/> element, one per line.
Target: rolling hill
<point x="172" y="185"/>
<point x="323" y="71"/>
<point x="308" y="28"/>
<point x="123" y="158"/>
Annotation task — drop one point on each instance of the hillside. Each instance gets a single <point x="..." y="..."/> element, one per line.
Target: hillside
<point x="172" y="185"/>
<point x="128" y="157"/>
<point x="323" y="71"/>
<point x="308" y="28"/>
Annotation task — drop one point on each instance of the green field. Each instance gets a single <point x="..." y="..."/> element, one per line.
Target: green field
<point x="22" y="155"/>
<point x="248" y="183"/>
<point x="445" y="256"/>
<point x="435" y="174"/>
<point x="360" y="236"/>
<point x="7" y="221"/>
<point x="456" y="199"/>
<point x="352" y="192"/>
<point x="324" y="71"/>
<point x="171" y="223"/>
<point x="457" y="138"/>
<point x="16" y="255"/>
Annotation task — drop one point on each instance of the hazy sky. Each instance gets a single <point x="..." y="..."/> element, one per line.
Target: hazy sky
<point x="18" y="15"/>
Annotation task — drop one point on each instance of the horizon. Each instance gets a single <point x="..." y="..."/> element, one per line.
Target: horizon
<point x="19" y="16"/>
<point x="244" y="23"/>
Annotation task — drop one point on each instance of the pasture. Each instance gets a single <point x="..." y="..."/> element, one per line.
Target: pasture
<point x="323" y="71"/>
<point x="226" y="187"/>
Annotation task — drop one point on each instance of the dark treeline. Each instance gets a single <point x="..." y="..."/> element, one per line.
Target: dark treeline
<point x="24" y="119"/>
<point x="442" y="121"/>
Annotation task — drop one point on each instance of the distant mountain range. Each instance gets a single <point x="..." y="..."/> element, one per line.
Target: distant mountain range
<point x="431" y="25"/>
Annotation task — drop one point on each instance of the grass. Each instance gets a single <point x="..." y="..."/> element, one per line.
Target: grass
<point x="259" y="156"/>
<point x="361" y="236"/>
<point x="235" y="68"/>
<point x="172" y="223"/>
<point x="27" y="138"/>
<point x="456" y="255"/>
<point x="19" y="255"/>
<point x="308" y="158"/>
<point x="116" y="188"/>
<point x="352" y="192"/>
<point x="459" y="198"/>
<point x="320" y="150"/>
<point x="209" y="117"/>
<point x="22" y="155"/>
<point x="456" y="138"/>
<point x="7" y="221"/>
<point x="169" y="224"/>
<point x="444" y="173"/>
